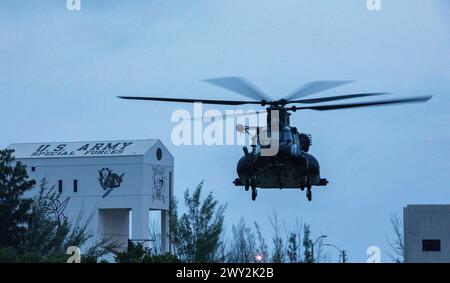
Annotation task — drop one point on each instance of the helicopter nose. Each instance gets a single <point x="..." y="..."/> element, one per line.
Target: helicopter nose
<point x="295" y="151"/>
<point x="284" y="150"/>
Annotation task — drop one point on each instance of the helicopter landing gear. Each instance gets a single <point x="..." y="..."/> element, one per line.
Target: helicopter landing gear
<point x="250" y="183"/>
<point x="308" y="191"/>
<point x="254" y="194"/>
<point x="309" y="194"/>
<point x="253" y="185"/>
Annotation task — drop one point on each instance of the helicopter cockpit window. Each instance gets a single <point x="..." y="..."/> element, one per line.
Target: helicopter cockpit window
<point x="286" y="136"/>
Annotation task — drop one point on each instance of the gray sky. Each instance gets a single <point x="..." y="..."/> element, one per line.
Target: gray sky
<point x="60" y="72"/>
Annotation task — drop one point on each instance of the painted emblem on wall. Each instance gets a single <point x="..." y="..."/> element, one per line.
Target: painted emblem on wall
<point x="109" y="180"/>
<point x="159" y="184"/>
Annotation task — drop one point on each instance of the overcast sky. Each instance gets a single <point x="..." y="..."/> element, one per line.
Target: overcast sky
<point x="60" y="72"/>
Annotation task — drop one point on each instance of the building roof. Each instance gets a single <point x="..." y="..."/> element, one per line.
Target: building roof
<point x="82" y="149"/>
<point x="428" y="208"/>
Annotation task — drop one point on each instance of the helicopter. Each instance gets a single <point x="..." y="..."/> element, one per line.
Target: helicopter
<point x="279" y="157"/>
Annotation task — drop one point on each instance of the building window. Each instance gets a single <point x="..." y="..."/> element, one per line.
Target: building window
<point x="158" y="154"/>
<point x="431" y="245"/>
<point x="33" y="169"/>
<point x="60" y="186"/>
<point x="75" y="186"/>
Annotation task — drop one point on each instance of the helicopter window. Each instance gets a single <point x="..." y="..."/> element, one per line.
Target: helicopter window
<point x="286" y="136"/>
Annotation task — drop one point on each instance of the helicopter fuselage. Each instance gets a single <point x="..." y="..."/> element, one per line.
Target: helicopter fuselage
<point x="285" y="170"/>
<point x="290" y="167"/>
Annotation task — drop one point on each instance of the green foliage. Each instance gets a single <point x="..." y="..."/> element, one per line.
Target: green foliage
<point x="35" y="229"/>
<point x="161" y="258"/>
<point x="292" y="248"/>
<point x="279" y="252"/>
<point x="15" y="210"/>
<point x="50" y="232"/>
<point x="8" y="254"/>
<point x="196" y="234"/>
<point x="134" y="254"/>
<point x="243" y="244"/>
<point x="308" y="257"/>
<point x="137" y="253"/>
<point x="262" y="249"/>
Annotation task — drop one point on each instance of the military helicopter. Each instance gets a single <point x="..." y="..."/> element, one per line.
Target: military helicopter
<point x="290" y="165"/>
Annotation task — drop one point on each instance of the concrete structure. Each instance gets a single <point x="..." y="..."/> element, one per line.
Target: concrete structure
<point x="112" y="180"/>
<point x="427" y="233"/>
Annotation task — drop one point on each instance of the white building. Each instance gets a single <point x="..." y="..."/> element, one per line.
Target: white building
<point x="113" y="180"/>
<point x="427" y="233"/>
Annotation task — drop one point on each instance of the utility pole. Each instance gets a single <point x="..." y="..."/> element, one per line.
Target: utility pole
<point x="315" y="242"/>
<point x="341" y="252"/>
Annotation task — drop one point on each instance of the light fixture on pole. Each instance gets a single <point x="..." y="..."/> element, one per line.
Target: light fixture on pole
<point x="315" y="242"/>
<point x="341" y="252"/>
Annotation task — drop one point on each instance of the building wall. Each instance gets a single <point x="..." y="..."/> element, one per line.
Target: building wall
<point x="114" y="225"/>
<point x="145" y="186"/>
<point x="86" y="171"/>
<point x="426" y="222"/>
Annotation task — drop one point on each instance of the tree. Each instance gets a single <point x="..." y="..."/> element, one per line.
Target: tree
<point x="137" y="253"/>
<point x="35" y="229"/>
<point x="308" y="257"/>
<point x="292" y="248"/>
<point x="279" y="252"/>
<point x="262" y="249"/>
<point x="15" y="210"/>
<point x="173" y="224"/>
<point x="397" y="243"/>
<point x="223" y="251"/>
<point x="243" y="244"/>
<point x="155" y="238"/>
<point x="50" y="232"/>
<point x="293" y="239"/>
<point x="196" y="234"/>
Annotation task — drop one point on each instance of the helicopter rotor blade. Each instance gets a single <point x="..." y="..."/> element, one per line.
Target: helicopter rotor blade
<point x="314" y="87"/>
<point x="239" y="85"/>
<point x="227" y="116"/>
<point x="187" y="100"/>
<point x="363" y="104"/>
<point x="338" y="97"/>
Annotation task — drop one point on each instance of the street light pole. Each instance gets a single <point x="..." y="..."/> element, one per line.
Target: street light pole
<point x="341" y="252"/>
<point x="313" y="244"/>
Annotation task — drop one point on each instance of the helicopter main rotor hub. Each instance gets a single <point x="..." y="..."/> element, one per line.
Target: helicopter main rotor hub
<point x="275" y="103"/>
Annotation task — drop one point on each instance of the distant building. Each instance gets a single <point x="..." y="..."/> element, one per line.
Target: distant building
<point x="427" y="233"/>
<point x="114" y="181"/>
